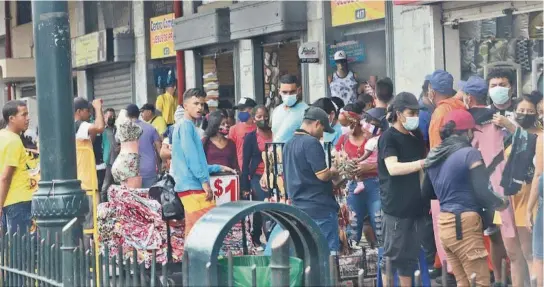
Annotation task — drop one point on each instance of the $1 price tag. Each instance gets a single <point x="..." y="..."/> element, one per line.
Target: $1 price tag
<point x="225" y="188"/>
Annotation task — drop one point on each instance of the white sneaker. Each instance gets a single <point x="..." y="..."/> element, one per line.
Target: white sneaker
<point x="353" y="245"/>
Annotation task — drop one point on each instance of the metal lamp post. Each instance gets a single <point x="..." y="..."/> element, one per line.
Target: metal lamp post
<point x="59" y="198"/>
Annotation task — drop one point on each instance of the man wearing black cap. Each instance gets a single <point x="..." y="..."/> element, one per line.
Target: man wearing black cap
<point x="308" y="179"/>
<point x="149" y="116"/>
<point x="246" y="125"/>
<point x="86" y="133"/>
<point x="400" y="161"/>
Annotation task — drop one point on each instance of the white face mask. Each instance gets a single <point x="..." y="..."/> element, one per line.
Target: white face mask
<point x="499" y="95"/>
<point x="412" y="123"/>
<point x="212" y="103"/>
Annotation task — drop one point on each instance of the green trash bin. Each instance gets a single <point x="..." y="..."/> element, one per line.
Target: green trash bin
<point x="242" y="271"/>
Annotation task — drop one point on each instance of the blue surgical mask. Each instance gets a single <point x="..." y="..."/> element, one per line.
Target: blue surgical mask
<point x="499" y="95"/>
<point x="289" y="100"/>
<point x="243" y="116"/>
<point x="412" y="123"/>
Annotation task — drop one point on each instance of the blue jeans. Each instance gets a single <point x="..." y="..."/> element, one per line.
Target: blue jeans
<point x="18" y="216"/>
<point x="328" y="226"/>
<point x="364" y="203"/>
<point x="538" y="226"/>
<point x="258" y="195"/>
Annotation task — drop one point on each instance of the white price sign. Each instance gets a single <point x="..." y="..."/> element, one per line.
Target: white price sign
<point x="225" y="188"/>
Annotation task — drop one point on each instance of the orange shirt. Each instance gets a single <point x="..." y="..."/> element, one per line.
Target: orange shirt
<point x="437" y="119"/>
<point x="237" y="134"/>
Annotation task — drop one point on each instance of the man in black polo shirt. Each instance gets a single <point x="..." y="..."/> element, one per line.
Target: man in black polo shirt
<point x="308" y="178"/>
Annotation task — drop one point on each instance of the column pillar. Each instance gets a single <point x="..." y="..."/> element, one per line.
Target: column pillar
<point x="59" y="198"/>
<point x="250" y="66"/>
<point x="316" y="74"/>
<point x="140" y="53"/>
<point x="193" y="63"/>
<point x="420" y="26"/>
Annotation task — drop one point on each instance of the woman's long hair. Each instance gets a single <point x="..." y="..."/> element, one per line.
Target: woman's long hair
<point x="214" y="122"/>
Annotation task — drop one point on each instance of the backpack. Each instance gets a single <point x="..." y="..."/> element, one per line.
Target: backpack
<point x="163" y="192"/>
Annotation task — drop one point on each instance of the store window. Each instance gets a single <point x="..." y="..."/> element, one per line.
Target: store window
<point x="24" y="12"/>
<point x="365" y="52"/>
<point x="279" y="59"/>
<point x="511" y="38"/>
<point x="218" y="76"/>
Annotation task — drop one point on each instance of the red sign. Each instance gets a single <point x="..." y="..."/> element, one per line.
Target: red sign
<point x="226" y="188"/>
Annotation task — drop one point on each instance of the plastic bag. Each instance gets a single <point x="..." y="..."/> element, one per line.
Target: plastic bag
<point x="242" y="270"/>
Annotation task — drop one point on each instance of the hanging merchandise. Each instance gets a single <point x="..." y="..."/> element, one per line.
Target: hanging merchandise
<point x="470" y="31"/>
<point x="535" y="25"/>
<point x="271" y="76"/>
<point x="522" y="54"/>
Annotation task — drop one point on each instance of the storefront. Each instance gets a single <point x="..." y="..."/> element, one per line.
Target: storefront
<point x="161" y="46"/>
<point x="108" y="56"/>
<point x="358" y="28"/>
<point x="490" y="33"/>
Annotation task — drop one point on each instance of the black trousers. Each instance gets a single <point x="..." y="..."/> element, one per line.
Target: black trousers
<point x="107" y="181"/>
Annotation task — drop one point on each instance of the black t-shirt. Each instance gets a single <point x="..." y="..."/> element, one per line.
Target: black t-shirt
<point x="303" y="158"/>
<point x="401" y="195"/>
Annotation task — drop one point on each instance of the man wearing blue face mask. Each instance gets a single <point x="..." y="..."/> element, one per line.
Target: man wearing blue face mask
<point x="245" y="125"/>
<point x="288" y="116"/>
<point x="501" y="83"/>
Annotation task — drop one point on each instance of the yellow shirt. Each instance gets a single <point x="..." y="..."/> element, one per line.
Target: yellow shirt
<point x="159" y="124"/>
<point x="167" y="104"/>
<point x="13" y="153"/>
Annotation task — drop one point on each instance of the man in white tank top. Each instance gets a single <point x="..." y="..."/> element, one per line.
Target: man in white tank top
<point x="343" y="83"/>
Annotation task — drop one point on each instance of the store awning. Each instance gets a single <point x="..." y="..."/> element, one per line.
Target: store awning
<point x="17" y="70"/>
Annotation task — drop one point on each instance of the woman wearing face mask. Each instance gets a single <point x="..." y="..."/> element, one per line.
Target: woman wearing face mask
<point x="253" y="166"/>
<point x="518" y="242"/>
<point x="457" y="177"/>
<point x="218" y="149"/>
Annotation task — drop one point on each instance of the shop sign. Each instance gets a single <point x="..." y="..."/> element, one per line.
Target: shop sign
<point x="89" y="49"/>
<point x="161" y="34"/>
<point x="355" y="51"/>
<point x="308" y="53"/>
<point x="225" y="188"/>
<point x="344" y="12"/>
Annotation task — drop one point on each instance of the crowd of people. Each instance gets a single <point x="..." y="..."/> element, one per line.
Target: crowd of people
<point x="455" y="173"/>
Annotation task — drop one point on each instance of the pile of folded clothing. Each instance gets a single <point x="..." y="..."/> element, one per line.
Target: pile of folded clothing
<point x="133" y="221"/>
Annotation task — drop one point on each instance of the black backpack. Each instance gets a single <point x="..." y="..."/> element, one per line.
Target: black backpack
<point x="163" y="192"/>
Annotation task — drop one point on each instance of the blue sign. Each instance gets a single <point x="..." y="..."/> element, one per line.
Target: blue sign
<point x="355" y="51"/>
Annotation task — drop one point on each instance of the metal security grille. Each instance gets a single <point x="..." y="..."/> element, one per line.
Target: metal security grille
<point x="114" y="85"/>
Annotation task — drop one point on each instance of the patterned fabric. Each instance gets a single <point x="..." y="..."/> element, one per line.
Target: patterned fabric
<point x="126" y="165"/>
<point x="344" y="88"/>
<point x="128" y="131"/>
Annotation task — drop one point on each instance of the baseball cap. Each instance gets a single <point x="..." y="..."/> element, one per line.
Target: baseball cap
<point x="405" y="100"/>
<point x="317" y="114"/>
<point x="132" y="110"/>
<point x="428" y="77"/>
<point x="340" y="55"/>
<point x="245" y="103"/>
<point x="377" y="113"/>
<point x="81" y="104"/>
<point x="442" y="82"/>
<point x="148" y="107"/>
<point x="463" y="120"/>
<point x="476" y="87"/>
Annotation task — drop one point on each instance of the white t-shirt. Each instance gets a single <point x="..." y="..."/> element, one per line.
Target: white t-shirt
<point x="83" y="132"/>
<point x="372" y="144"/>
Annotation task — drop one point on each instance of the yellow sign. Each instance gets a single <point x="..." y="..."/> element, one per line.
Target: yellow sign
<point x="89" y="49"/>
<point x="344" y="12"/>
<point x="162" y="36"/>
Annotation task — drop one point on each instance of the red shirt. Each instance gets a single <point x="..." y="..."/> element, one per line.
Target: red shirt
<point x="353" y="151"/>
<point x="261" y="141"/>
<point x="237" y="134"/>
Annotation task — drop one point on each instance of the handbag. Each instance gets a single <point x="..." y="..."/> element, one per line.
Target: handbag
<point x="163" y="192"/>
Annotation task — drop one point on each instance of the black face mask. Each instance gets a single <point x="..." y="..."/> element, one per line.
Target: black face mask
<point x="526" y="121"/>
<point x="111" y="121"/>
<point x="263" y="124"/>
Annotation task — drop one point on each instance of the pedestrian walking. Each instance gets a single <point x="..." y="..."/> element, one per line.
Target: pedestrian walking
<point x="166" y="103"/>
<point x="245" y="125"/>
<point x="110" y="149"/>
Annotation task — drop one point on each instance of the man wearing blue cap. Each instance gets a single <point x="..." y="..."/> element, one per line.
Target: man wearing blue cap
<point x="489" y="141"/>
<point x="441" y="95"/>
